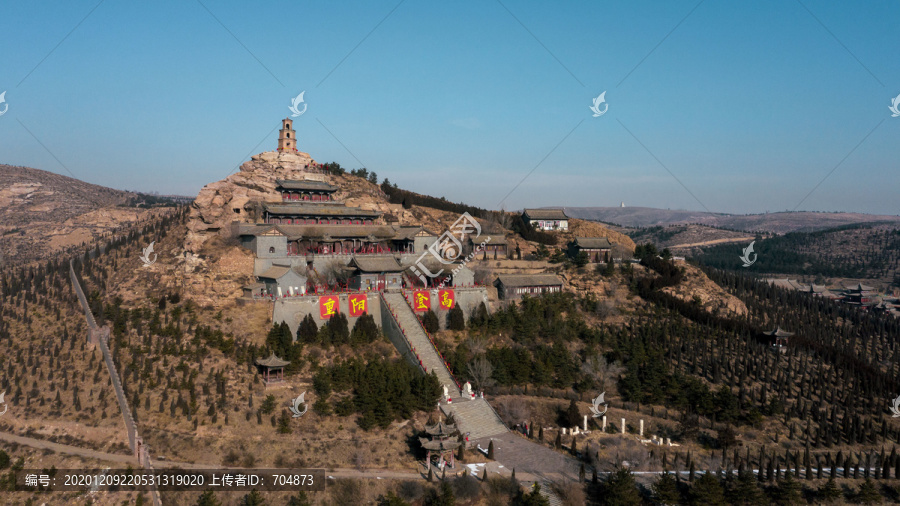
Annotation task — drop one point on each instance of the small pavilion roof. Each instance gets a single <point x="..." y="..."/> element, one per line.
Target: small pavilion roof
<point x="272" y="361"/>
<point x="438" y="445"/>
<point x="440" y="429"/>
<point x="778" y="332"/>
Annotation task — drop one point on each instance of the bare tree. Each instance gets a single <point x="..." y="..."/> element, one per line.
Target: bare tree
<point x="513" y="410"/>
<point x="604" y="372"/>
<point x="480" y="370"/>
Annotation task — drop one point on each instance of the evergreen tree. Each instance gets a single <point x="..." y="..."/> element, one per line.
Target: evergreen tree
<point x="254" y="498"/>
<point x="867" y="493"/>
<point x="364" y="331"/>
<point x="208" y="498"/>
<point x="788" y="490"/>
<point x="665" y="490"/>
<point x="533" y="498"/>
<point x="746" y="491"/>
<point x="299" y="499"/>
<point x="308" y="330"/>
<point x="284" y="422"/>
<point x="707" y="491"/>
<point x="573" y="416"/>
<point x="490" y="454"/>
<point x="620" y="489"/>
<point x="455" y="319"/>
<point x="829" y="492"/>
<point x="430" y="322"/>
<point x="391" y="499"/>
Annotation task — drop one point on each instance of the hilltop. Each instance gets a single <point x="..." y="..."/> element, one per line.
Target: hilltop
<point x="43" y="212"/>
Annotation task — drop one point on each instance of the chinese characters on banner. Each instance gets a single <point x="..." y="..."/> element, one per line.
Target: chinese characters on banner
<point x="421" y="301"/>
<point x="446" y="299"/>
<point x="328" y="306"/>
<point x="358" y="305"/>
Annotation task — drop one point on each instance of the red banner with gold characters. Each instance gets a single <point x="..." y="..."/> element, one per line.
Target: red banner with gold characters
<point x="421" y="301"/>
<point x="329" y="306"/>
<point x="446" y="299"/>
<point x="358" y="304"/>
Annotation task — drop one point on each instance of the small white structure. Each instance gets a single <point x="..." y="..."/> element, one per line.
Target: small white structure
<point x="585" y="423"/>
<point x="604" y="423"/>
<point x="623" y="426"/>
<point x="641" y="434"/>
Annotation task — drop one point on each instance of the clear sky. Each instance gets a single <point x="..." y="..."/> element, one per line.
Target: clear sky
<point x="729" y="106"/>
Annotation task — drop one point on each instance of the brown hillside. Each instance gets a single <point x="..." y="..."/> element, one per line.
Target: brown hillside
<point x="44" y="213"/>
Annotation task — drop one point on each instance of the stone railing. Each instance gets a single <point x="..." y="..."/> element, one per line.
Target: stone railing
<point x="100" y="336"/>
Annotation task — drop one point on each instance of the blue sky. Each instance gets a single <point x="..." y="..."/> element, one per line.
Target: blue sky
<point x="749" y="105"/>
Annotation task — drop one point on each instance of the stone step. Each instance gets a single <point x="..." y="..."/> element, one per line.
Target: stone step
<point x="417" y="337"/>
<point x="475" y="417"/>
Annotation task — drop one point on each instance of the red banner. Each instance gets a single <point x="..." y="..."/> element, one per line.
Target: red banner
<point x="358" y="304"/>
<point x="421" y="301"/>
<point x="329" y="306"/>
<point x="447" y="299"/>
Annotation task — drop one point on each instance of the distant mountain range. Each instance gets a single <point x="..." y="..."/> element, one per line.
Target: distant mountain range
<point x="778" y="223"/>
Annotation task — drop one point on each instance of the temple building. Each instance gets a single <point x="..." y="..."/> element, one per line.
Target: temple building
<point x="598" y="249"/>
<point x="546" y="219"/>
<point x="293" y="190"/>
<point x="514" y="286"/>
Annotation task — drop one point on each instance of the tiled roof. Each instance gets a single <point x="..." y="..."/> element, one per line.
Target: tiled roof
<point x="272" y="361"/>
<point x="546" y="214"/>
<point x="593" y="242"/>
<point x="275" y="272"/>
<point x="376" y="264"/>
<point x="303" y="209"/>
<point x="305" y="184"/>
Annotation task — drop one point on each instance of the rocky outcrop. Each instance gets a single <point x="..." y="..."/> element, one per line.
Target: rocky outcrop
<point x="697" y="287"/>
<point x="220" y="203"/>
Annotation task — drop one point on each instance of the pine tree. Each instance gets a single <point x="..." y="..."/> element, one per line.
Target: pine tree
<point x="490" y="454"/>
<point x="829" y="492"/>
<point x="208" y="498"/>
<point x="665" y="490"/>
<point x="455" y="319"/>
<point x="707" y="490"/>
<point x="620" y="489"/>
<point x="867" y="493"/>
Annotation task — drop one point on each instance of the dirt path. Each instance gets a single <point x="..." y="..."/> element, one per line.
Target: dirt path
<point x="713" y="241"/>
<point x="68" y="449"/>
<point x="130" y="460"/>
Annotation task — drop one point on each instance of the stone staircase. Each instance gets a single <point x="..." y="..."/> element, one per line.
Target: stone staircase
<point x="419" y="341"/>
<point x="474" y="416"/>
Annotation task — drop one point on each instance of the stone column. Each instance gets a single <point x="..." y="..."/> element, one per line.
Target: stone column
<point x="623" y="426"/>
<point x="642" y="428"/>
<point x="585" y="423"/>
<point x="604" y="423"/>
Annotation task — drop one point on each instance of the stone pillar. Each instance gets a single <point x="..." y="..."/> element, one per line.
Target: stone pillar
<point x="604" y="423"/>
<point x="642" y="428"/>
<point x="563" y="431"/>
<point x="585" y="423"/>
<point x="623" y="426"/>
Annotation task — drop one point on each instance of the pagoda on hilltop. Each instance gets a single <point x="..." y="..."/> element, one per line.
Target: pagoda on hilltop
<point x="287" y="137"/>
